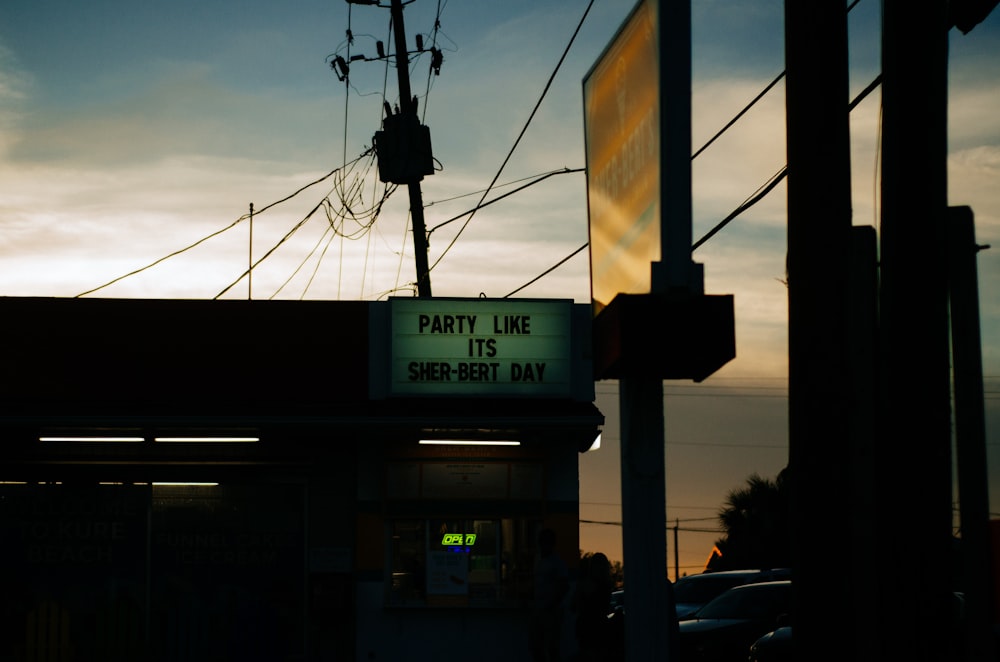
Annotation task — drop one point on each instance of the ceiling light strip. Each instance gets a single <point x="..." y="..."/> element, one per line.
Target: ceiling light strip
<point x="468" y="442"/>
<point x="229" y="440"/>
<point x="102" y="439"/>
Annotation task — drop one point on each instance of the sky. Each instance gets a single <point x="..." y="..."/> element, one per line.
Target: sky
<point x="130" y="132"/>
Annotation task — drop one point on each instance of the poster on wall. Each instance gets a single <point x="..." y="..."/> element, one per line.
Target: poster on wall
<point x="447" y="573"/>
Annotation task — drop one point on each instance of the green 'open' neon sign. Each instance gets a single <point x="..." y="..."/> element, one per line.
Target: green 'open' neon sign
<point x="467" y="539"/>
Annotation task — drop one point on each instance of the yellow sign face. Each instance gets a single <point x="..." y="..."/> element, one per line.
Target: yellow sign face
<point x="621" y="122"/>
<point x="492" y="347"/>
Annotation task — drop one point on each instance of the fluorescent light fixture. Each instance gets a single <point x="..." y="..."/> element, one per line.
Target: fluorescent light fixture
<point x="597" y="442"/>
<point x="468" y="442"/>
<point x="228" y="440"/>
<point x="185" y="484"/>
<point x="100" y="439"/>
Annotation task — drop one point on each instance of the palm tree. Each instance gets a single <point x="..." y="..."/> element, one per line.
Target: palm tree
<point x="755" y="521"/>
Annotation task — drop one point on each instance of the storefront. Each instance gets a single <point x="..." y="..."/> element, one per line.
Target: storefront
<point x="241" y="480"/>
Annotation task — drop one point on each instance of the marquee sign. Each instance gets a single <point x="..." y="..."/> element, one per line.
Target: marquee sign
<point x="494" y="347"/>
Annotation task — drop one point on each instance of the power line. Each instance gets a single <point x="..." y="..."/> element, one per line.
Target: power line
<point x="722" y="444"/>
<point x="739" y="115"/>
<point x="521" y="135"/>
<point x="268" y="254"/>
<point x="214" y="234"/>
<point x="768" y="186"/>
<point x="765" y="188"/>
<point x="537" y="178"/>
<point x="756" y="197"/>
<point x="510" y="183"/>
<point x="673" y="519"/>
<point x="762" y="192"/>
<point x="325" y="205"/>
<point x="547" y="271"/>
<point x="668" y="528"/>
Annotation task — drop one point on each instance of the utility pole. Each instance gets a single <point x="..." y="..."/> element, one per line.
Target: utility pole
<point x="821" y="402"/>
<point x="408" y="109"/>
<point x="403" y="146"/>
<point x="914" y="427"/>
<point x="677" y="553"/>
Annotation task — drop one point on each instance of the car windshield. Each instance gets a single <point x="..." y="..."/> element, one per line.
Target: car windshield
<point x="751" y="602"/>
<point x="703" y="588"/>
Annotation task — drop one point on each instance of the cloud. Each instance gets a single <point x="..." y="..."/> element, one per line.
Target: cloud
<point x="177" y="108"/>
<point x="109" y="222"/>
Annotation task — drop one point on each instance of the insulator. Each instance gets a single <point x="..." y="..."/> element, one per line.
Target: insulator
<point x="437" y="57"/>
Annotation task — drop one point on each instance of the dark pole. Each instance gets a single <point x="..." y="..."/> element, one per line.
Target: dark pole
<point x="408" y="106"/>
<point x="970" y="436"/>
<point x="644" y="530"/>
<point x="644" y="517"/>
<point x="861" y="522"/>
<point x="250" y="258"/>
<point x="914" y="594"/>
<point x="818" y="262"/>
<point x="677" y="554"/>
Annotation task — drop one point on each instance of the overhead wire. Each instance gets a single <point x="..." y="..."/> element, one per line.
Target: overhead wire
<point x="669" y="527"/>
<point x="510" y="183"/>
<point x="753" y="199"/>
<point x="363" y="228"/>
<point x="547" y="271"/>
<point x="740" y="114"/>
<point x="761" y="192"/>
<point x="270" y="252"/>
<point x="431" y="72"/>
<point x="210" y="236"/>
<point x="776" y="178"/>
<point x="336" y="220"/>
<point x="548" y="84"/>
<point x="347" y="97"/>
<point x="324" y="204"/>
<point x="302" y="264"/>
<point x="481" y="204"/>
<point x="315" y="270"/>
<point x="388" y="189"/>
<point x="345" y="197"/>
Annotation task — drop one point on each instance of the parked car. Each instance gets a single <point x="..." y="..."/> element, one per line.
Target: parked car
<point x="617" y="605"/>
<point x="693" y="591"/>
<point x="725" y="628"/>
<point x="775" y="646"/>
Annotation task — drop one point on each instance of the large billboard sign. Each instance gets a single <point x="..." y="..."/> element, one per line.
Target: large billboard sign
<point x="621" y="126"/>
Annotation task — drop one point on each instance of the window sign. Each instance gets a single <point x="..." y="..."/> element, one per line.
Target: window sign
<point x="447" y="573"/>
<point x="458" y="539"/>
<point x="481" y="347"/>
<point x="461" y="562"/>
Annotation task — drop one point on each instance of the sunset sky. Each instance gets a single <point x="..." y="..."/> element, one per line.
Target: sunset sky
<point x="131" y="131"/>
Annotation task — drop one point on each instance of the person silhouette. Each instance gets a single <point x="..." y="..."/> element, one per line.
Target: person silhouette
<point x="551" y="585"/>
<point x="592" y="603"/>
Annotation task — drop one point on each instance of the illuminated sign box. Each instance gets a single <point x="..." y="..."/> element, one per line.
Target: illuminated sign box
<point x="621" y="101"/>
<point x="480" y="347"/>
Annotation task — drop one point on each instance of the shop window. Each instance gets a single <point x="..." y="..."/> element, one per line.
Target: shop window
<point x="461" y="562"/>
